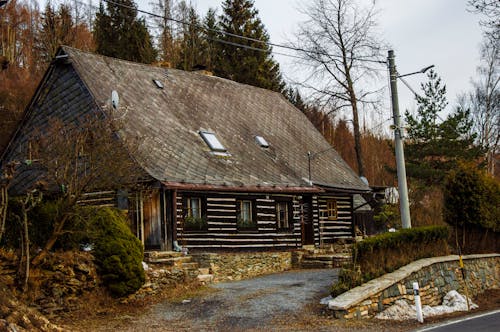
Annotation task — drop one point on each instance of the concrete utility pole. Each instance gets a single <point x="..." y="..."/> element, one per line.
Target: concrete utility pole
<point x="404" y="205"/>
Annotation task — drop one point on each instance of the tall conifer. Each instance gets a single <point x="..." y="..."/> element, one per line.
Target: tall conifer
<point x="242" y="64"/>
<point x="119" y="33"/>
<point x="435" y="145"/>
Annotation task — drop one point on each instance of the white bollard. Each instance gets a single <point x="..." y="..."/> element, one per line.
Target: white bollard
<point x="418" y="303"/>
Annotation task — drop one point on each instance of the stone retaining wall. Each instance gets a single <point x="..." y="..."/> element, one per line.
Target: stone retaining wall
<point x="436" y="276"/>
<point x="238" y="266"/>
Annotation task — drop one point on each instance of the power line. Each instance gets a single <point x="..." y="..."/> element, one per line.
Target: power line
<point x="241" y="37"/>
<point x="254" y="48"/>
<point x="380" y="124"/>
<point x="231" y="35"/>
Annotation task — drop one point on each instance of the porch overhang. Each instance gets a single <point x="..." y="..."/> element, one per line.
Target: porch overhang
<point x="348" y="190"/>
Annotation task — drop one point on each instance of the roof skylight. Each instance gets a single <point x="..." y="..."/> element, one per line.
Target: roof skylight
<point x="261" y="141"/>
<point x="212" y="141"/>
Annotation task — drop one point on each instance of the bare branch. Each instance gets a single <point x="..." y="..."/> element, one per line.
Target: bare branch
<point x="339" y="43"/>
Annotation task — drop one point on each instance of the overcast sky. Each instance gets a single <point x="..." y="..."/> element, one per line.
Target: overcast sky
<point x="421" y="32"/>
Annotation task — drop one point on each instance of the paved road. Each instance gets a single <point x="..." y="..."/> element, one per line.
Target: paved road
<point x="488" y="322"/>
<point x="247" y="304"/>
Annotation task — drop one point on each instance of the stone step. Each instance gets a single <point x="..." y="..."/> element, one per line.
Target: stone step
<point x="162" y="254"/>
<point x="320" y="257"/>
<point x="190" y="266"/>
<point x="205" y="278"/>
<point x="177" y="261"/>
<point x="339" y="261"/>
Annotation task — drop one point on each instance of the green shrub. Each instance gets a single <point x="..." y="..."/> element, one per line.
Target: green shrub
<point x="77" y="229"/>
<point x="388" y="216"/>
<point x="40" y="224"/>
<point x="472" y="197"/>
<point x="118" y="253"/>
<point x="387" y="252"/>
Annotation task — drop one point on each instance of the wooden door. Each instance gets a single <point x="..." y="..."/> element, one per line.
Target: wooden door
<point x="152" y="220"/>
<point x="306" y="221"/>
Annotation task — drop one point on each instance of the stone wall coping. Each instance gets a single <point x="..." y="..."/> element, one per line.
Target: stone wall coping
<point x="358" y="294"/>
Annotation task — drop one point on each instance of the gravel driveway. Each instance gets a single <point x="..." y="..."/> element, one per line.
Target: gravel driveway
<point x="243" y="305"/>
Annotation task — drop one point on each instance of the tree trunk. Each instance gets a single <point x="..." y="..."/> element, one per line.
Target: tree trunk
<point x="4" y="202"/>
<point x="355" y="123"/>
<point x="58" y="228"/>
<point x="26" y="249"/>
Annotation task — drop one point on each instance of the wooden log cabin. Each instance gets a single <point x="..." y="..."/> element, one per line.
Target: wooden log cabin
<point x="228" y="166"/>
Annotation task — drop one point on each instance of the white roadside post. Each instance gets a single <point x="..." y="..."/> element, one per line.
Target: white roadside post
<point x="418" y="303"/>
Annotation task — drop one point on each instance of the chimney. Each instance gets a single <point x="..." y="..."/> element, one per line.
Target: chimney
<point x="201" y="69"/>
<point x="162" y="64"/>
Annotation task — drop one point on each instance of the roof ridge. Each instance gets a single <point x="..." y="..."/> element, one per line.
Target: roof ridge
<point x="146" y="65"/>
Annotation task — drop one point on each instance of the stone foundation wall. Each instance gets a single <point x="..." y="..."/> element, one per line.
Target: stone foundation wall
<point x="435" y="279"/>
<point x="238" y="266"/>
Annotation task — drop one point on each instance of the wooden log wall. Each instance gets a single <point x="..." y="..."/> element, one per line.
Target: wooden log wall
<point x="315" y="218"/>
<point x="342" y="227"/>
<point x="221" y="214"/>
<point x="99" y="199"/>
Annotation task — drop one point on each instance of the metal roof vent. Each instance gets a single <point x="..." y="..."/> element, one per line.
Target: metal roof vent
<point x="261" y="141"/>
<point x="115" y="99"/>
<point x="158" y="84"/>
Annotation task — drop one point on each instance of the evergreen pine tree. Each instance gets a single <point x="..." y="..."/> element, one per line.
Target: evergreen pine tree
<point x="119" y="33"/>
<point x="56" y="29"/>
<point x="242" y="64"/>
<point x="212" y="47"/>
<point x="192" y="44"/>
<point x="434" y="146"/>
<point x="294" y="97"/>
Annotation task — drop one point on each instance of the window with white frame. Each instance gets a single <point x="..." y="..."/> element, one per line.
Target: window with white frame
<point x="194" y="218"/>
<point x="245" y="218"/>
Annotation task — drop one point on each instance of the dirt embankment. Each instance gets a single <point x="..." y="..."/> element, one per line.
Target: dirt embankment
<point x="59" y="285"/>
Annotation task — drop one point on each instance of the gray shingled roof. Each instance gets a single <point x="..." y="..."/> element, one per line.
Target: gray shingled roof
<point x="168" y="122"/>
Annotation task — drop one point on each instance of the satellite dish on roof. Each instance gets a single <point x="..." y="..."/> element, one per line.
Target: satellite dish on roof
<point x="364" y="179"/>
<point x="115" y="99"/>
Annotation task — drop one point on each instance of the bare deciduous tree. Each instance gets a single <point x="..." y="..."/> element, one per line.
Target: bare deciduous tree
<point x="165" y="30"/>
<point x="78" y="159"/>
<point x="490" y="9"/>
<point x="484" y="102"/>
<point x="27" y="203"/>
<point x="5" y="179"/>
<point x="341" y="50"/>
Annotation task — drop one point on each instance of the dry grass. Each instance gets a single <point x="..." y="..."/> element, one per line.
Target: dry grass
<point x="100" y="309"/>
<point x="427" y="207"/>
<point x="185" y="291"/>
